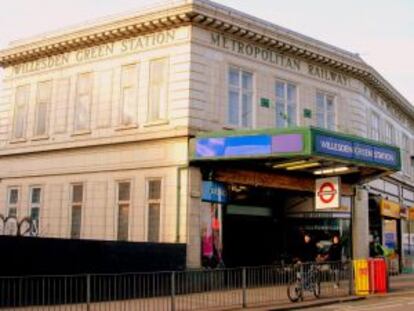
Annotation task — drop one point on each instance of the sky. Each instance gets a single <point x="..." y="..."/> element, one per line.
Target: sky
<point x="381" y="31"/>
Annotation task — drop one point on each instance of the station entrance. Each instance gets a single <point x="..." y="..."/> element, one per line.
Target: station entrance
<point x="260" y="195"/>
<point x="264" y="226"/>
<point x="253" y="226"/>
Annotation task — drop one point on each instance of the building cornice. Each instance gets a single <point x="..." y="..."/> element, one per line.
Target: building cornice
<point x="212" y="16"/>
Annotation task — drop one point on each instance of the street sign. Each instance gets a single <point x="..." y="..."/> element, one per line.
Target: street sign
<point x="327" y="193"/>
<point x="214" y="192"/>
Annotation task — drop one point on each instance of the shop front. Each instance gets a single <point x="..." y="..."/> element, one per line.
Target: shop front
<point x="387" y="220"/>
<point x="263" y="191"/>
<point x="408" y="240"/>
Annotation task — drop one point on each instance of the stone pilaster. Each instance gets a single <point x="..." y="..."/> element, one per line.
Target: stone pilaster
<point x="193" y="219"/>
<point x="360" y="224"/>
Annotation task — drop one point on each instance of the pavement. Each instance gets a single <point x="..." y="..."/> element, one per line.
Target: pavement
<point x="403" y="300"/>
<point x="400" y="297"/>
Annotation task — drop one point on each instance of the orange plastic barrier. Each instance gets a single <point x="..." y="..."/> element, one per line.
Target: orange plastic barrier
<point x="377" y="275"/>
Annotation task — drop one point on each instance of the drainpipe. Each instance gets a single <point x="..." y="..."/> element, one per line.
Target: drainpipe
<point x="178" y="202"/>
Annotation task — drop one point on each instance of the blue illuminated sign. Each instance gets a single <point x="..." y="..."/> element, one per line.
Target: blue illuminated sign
<point x="295" y="142"/>
<point x="214" y="192"/>
<point x="249" y="145"/>
<point x="349" y="149"/>
<point x="234" y="146"/>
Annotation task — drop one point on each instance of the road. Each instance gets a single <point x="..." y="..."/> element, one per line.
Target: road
<point x="402" y="301"/>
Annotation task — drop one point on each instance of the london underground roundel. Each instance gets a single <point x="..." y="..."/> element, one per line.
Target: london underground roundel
<point x="327" y="193"/>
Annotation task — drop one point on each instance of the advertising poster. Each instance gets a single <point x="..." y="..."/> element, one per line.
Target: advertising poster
<point x="211" y="245"/>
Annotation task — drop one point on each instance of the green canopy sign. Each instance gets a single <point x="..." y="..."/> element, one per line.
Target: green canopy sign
<point x="310" y="141"/>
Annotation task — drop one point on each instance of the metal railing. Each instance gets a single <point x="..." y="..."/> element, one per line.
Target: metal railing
<point x="178" y="290"/>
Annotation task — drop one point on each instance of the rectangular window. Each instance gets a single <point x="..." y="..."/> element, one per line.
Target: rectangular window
<point x="124" y="203"/>
<point x="104" y="99"/>
<point x="286" y="104"/>
<point x="389" y="137"/>
<point x="325" y="111"/>
<point x="375" y="126"/>
<point x="60" y="103"/>
<point x="44" y="97"/>
<point x="240" y="98"/>
<point x="412" y="167"/>
<point x="129" y="98"/>
<point x="83" y="102"/>
<point x="77" y="202"/>
<point x="35" y="203"/>
<point x="405" y="154"/>
<point x="20" y="110"/>
<point x="13" y="199"/>
<point x="158" y="90"/>
<point x="154" y="209"/>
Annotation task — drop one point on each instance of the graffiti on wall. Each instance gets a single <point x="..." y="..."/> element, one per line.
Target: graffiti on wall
<point x="13" y="227"/>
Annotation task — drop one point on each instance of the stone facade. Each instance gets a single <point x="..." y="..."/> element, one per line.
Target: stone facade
<point x="199" y="43"/>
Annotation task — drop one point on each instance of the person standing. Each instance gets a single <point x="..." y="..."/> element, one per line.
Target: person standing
<point x="335" y="257"/>
<point x="335" y="251"/>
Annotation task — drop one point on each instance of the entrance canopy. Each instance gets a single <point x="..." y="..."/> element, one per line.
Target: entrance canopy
<point x="302" y="153"/>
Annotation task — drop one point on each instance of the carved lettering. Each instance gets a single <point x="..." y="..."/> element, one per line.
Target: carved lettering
<point x="257" y="52"/>
<point x="98" y="52"/>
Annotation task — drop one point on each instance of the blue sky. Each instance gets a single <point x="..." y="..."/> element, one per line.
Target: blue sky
<point x="381" y="31"/>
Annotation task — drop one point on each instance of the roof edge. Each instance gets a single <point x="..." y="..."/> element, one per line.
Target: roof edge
<point x="207" y="14"/>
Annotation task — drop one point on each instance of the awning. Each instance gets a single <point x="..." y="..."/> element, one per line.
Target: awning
<point x="297" y="151"/>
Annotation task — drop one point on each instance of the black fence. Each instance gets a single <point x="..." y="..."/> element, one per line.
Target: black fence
<point x="48" y="256"/>
<point x="177" y="290"/>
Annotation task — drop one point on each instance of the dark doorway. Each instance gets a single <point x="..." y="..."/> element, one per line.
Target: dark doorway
<point x="253" y="226"/>
<point x="248" y="240"/>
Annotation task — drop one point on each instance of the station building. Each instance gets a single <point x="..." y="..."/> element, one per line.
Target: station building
<point x="190" y="122"/>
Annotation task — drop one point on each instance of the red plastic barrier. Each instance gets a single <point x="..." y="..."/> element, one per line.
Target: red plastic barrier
<point x="378" y="275"/>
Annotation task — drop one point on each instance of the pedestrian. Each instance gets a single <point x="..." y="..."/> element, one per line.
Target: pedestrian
<point x="308" y="256"/>
<point x="335" y="257"/>
<point x="335" y="250"/>
<point x="309" y="250"/>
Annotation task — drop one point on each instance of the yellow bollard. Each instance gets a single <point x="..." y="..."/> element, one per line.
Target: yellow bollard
<point x="361" y="273"/>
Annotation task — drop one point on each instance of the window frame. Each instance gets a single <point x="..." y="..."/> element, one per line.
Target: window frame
<point x="389" y="133"/>
<point x="371" y="128"/>
<point x="286" y="102"/>
<point x="13" y="137"/>
<point x="135" y="87"/>
<point x="327" y="94"/>
<point x="80" y="204"/>
<point x="103" y="98"/>
<point x="47" y="104"/>
<point x="405" y="154"/>
<point x="37" y="205"/>
<point x="123" y="202"/>
<point x="240" y="92"/>
<point x="163" y="113"/>
<point x="15" y="205"/>
<point x="58" y="102"/>
<point x="149" y="201"/>
<point x="78" y="95"/>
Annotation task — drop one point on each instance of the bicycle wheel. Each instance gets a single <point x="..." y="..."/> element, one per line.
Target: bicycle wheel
<point x="294" y="291"/>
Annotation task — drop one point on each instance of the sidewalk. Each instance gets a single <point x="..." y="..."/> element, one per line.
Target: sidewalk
<point x="402" y="282"/>
<point x="305" y="304"/>
<point x="398" y="285"/>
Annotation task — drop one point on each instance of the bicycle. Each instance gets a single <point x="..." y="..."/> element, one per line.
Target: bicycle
<point x="307" y="279"/>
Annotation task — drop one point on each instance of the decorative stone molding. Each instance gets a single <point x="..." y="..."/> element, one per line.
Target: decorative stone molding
<point x="211" y="16"/>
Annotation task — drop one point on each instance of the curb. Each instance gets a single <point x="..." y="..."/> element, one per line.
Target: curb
<point x="395" y="292"/>
<point x="306" y="305"/>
